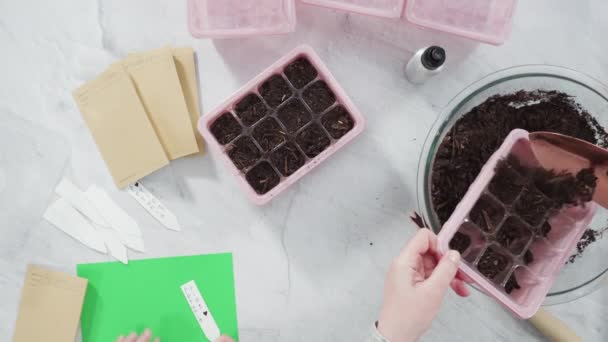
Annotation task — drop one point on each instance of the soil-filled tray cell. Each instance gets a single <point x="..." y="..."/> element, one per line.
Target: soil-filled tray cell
<point x="313" y="140"/>
<point x="287" y="159"/>
<point x="469" y="241"/>
<point x="507" y="184"/>
<point x="494" y="264"/>
<point x="318" y="96"/>
<point x="262" y="178"/>
<point x="294" y="115"/>
<point x="533" y="206"/>
<point x="564" y="188"/>
<point x="561" y="231"/>
<point x="269" y="134"/>
<point x="250" y="109"/>
<point x="282" y="124"/>
<point x="523" y="285"/>
<point x="225" y="128"/>
<point x="300" y="72"/>
<point x="487" y="213"/>
<point x="275" y="90"/>
<point x="243" y="152"/>
<point x="337" y="122"/>
<point x="514" y="235"/>
<point x="544" y="256"/>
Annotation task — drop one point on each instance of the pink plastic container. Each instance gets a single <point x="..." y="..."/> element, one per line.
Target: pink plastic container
<point x="534" y="273"/>
<point x="488" y="21"/>
<point x="240" y="18"/>
<point x="378" y="8"/>
<point x="298" y="97"/>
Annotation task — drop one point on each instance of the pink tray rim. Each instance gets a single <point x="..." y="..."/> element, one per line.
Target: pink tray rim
<point x="485" y="38"/>
<point x="341" y="96"/>
<point x="392" y="14"/>
<point x="237" y="33"/>
<point x="453" y="224"/>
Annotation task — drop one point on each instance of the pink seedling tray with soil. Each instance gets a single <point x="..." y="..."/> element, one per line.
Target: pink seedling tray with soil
<point x="518" y="224"/>
<point x="240" y="18"/>
<point x="378" y="8"/>
<point x="282" y="124"/>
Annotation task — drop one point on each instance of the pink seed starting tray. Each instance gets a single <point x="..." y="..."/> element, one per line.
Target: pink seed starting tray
<point x="378" y="8"/>
<point x="239" y="18"/>
<point x="511" y="255"/>
<point x="282" y="124"/>
<point x="488" y="21"/>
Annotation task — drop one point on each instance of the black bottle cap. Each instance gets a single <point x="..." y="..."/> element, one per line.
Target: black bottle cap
<point x="433" y="57"/>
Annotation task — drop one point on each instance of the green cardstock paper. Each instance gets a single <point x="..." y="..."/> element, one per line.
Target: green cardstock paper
<point x="147" y="293"/>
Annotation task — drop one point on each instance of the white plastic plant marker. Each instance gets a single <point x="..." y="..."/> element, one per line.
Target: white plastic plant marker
<point x="154" y="206"/>
<point x="77" y="199"/>
<point x="70" y="221"/>
<point x="200" y="310"/>
<point x="126" y="227"/>
<point x="115" y="246"/>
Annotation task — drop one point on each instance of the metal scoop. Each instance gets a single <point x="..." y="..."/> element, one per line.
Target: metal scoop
<point x="564" y="153"/>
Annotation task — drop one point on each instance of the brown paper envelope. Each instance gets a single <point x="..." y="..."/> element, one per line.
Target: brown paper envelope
<point x="119" y="124"/>
<point x="186" y="71"/>
<point x="158" y="86"/>
<point x="50" y="306"/>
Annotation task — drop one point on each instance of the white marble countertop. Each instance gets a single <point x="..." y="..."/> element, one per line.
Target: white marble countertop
<point x="309" y="266"/>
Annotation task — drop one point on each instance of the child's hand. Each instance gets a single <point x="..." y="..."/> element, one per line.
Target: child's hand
<point x="416" y="284"/>
<point x="145" y="337"/>
<point x="224" y="339"/>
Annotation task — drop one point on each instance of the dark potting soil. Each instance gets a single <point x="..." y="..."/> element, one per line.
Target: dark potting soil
<point x="287" y="159"/>
<point x="225" y="128"/>
<point x="487" y="214"/>
<point x="460" y="242"/>
<point x="275" y="90"/>
<point x="294" y="115"/>
<point x="300" y="72"/>
<point x="527" y="217"/>
<point x="418" y="220"/>
<point x="589" y="237"/>
<point x="508" y="182"/>
<point x="318" y="96"/>
<point x="262" y="178"/>
<point x="243" y="152"/>
<point x="512" y="284"/>
<point x="250" y="109"/>
<point x="514" y="235"/>
<point x="269" y="134"/>
<point x="533" y="206"/>
<point x="492" y="263"/>
<point x="545" y="228"/>
<point x="337" y="122"/>
<point x="313" y="140"/>
<point x="528" y="257"/>
<point x="479" y="133"/>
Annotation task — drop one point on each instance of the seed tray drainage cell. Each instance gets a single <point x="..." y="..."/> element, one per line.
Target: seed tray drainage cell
<point x="514" y="238"/>
<point x="282" y="124"/>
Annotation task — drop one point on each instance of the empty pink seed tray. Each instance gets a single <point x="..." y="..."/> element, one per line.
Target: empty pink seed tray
<point x="512" y="229"/>
<point x="239" y="18"/>
<point x="488" y="21"/>
<point x="282" y="124"/>
<point x="378" y="8"/>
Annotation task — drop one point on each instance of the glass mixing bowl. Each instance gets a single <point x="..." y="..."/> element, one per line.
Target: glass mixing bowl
<point x="588" y="271"/>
